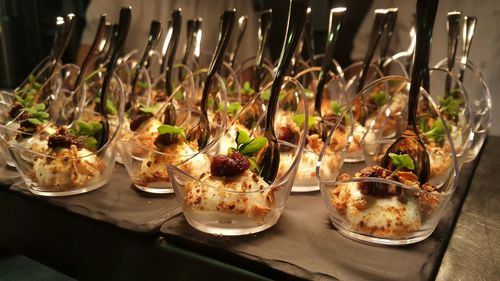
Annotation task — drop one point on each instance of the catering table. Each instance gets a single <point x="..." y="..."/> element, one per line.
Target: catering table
<point x="118" y="233"/>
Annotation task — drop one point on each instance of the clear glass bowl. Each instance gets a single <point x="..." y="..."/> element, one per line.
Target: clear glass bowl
<point x="64" y="172"/>
<point x="243" y="204"/>
<point x="479" y="99"/>
<point x="146" y="163"/>
<point x="334" y="104"/>
<point x="373" y="205"/>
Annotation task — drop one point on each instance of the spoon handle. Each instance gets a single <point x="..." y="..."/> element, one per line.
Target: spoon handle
<point x="263" y="34"/>
<point x="308" y="36"/>
<point x="377" y="30"/>
<point x="58" y="36"/>
<point x="426" y="14"/>
<point x="226" y="27"/>
<point x="192" y="32"/>
<point x="336" y="20"/>
<point x="264" y="27"/>
<point x="153" y="37"/>
<point x="453" y="28"/>
<point x="119" y="36"/>
<point x="296" y="20"/>
<point x="171" y="49"/>
<point x="101" y="28"/>
<point x="467" y="34"/>
<point x="242" y="26"/>
<point x="390" y="24"/>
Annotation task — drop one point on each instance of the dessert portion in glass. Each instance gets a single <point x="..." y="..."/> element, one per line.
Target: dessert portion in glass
<point x="230" y="197"/>
<point x="390" y="205"/>
<point x="479" y="101"/>
<point x="161" y="137"/>
<point x="79" y="156"/>
<point x="334" y="103"/>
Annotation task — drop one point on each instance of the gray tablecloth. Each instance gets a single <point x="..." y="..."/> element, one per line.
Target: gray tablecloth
<point x="118" y="203"/>
<point x="304" y="243"/>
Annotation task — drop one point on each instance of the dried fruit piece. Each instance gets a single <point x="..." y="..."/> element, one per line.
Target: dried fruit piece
<point x="229" y="165"/>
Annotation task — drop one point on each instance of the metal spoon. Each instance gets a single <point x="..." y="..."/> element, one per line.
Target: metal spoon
<point x="376" y="34"/>
<point x="242" y="26"/>
<point x="201" y="131"/>
<point x="467" y="34"/>
<point x="119" y="37"/>
<point x="410" y="142"/>
<point x="170" y="113"/>
<point x="390" y="24"/>
<point x="270" y="158"/>
<point x="302" y="44"/>
<point x="153" y="37"/>
<point x="264" y="27"/>
<point x="453" y="27"/>
<point x="336" y="20"/>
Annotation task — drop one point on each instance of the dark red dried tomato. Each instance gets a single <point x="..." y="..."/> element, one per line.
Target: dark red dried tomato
<point x="229" y="165"/>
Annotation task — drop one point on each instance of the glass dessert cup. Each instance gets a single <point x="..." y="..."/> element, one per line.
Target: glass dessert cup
<point x="73" y="170"/>
<point x="40" y="91"/>
<point x="334" y="104"/>
<point x="243" y="204"/>
<point x="371" y="204"/>
<point x="352" y="75"/>
<point x="455" y="108"/>
<point x="146" y="160"/>
<point x="479" y="100"/>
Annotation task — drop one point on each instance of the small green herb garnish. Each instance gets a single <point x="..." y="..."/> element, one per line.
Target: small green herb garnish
<point x="37" y="113"/>
<point x="173" y="130"/>
<point x="402" y="161"/>
<point x="379" y="98"/>
<point x="309" y="94"/>
<point x="248" y="147"/>
<point x="337" y="108"/>
<point x="299" y="120"/>
<point x="89" y="132"/>
<point x="436" y="132"/>
<point x="451" y="105"/>
<point x="149" y="109"/>
<point x="110" y="105"/>
<point x="266" y="95"/>
<point x="142" y="85"/>
<point x="233" y="108"/>
<point x="247" y="89"/>
<point x="179" y="95"/>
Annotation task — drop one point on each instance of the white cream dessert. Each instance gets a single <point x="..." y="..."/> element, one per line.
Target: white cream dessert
<point x="382" y="210"/>
<point x="67" y="168"/>
<point x="242" y="195"/>
<point x="154" y="166"/>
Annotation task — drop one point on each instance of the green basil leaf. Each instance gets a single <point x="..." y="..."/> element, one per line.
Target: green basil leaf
<point x="299" y="120"/>
<point x="337" y="108"/>
<point x="380" y="98"/>
<point x="242" y="137"/>
<point x="252" y="147"/>
<point x="35" y="121"/>
<point x="90" y="143"/>
<point x="149" y="109"/>
<point x="174" y="130"/>
<point x="402" y="161"/>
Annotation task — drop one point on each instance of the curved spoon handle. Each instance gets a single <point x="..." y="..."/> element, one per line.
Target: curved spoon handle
<point x="101" y="29"/>
<point x="390" y="24"/>
<point x="192" y="31"/>
<point x="226" y="27"/>
<point x="119" y="37"/>
<point x="171" y="49"/>
<point x="426" y="15"/>
<point x="296" y="19"/>
<point x="336" y="20"/>
<point x="153" y="37"/>
<point x="467" y="34"/>
<point x="199" y="35"/>
<point x="377" y="30"/>
<point x="242" y="26"/>
<point x="453" y="28"/>
<point x="264" y="27"/>
<point x="308" y="44"/>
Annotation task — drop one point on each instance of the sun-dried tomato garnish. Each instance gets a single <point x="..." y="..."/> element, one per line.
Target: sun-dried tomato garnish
<point x="229" y="165"/>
